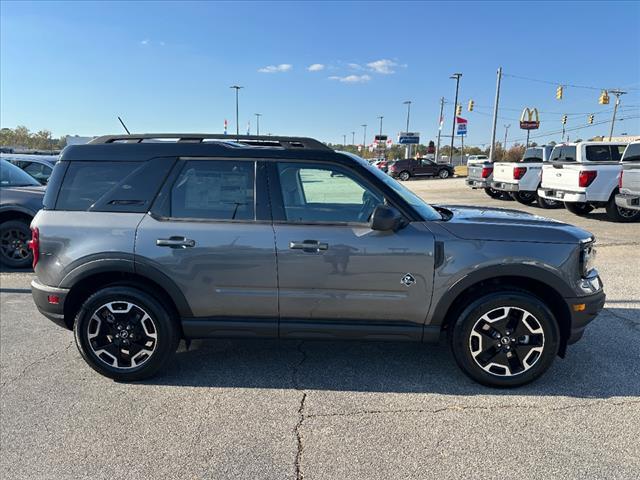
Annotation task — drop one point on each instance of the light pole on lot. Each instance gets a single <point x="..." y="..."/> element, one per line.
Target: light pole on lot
<point x="344" y="139"/>
<point x="456" y="77"/>
<point x="237" y="89"/>
<point x="353" y="138"/>
<point x="408" y="104"/>
<point x="364" y="139"/>
<point x="380" y="117"/>
<point x="258" y="115"/>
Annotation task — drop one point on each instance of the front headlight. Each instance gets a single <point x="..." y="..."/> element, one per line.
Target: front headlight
<point x="588" y="257"/>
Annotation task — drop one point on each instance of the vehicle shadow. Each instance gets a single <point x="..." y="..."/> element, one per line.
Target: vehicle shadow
<point x="596" y="367"/>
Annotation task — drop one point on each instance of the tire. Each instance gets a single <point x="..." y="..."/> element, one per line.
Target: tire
<point x="525" y="198"/>
<point x="493" y="193"/>
<point x="404" y="175"/>
<point x="480" y="351"/>
<point x="578" y="208"/>
<point x="444" y="173"/>
<point x="619" y="214"/>
<point x="547" y="204"/>
<point x="14" y="251"/>
<point x="98" y="342"/>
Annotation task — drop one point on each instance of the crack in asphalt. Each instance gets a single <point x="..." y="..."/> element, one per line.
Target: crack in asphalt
<point x="35" y="363"/>
<point x="301" y="415"/>
<point x="461" y="408"/>
<point x="630" y="322"/>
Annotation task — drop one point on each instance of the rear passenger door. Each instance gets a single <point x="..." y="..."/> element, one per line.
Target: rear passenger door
<point x="210" y="232"/>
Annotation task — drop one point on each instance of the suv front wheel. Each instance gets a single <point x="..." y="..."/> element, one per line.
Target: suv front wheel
<point x="505" y="339"/>
<point x="125" y="334"/>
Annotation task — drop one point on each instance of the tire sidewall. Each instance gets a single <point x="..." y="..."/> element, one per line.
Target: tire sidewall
<point x="444" y="173"/>
<point x="613" y="212"/>
<point x="404" y="175"/>
<point x="578" y="208"/>
<point x="461" y="331"/>
<point x="16" y="225"/>
<point x="167" y="338"/>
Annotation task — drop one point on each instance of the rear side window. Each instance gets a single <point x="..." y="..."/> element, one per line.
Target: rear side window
<point x="214" y="190"/>
<point x="564" y="154"/>
<point x="86" y="182"/>
<point x="598" y="153"/>
<point x="632" y="153"/>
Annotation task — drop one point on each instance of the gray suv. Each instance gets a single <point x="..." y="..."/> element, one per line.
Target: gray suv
<point x="148" y="239"/>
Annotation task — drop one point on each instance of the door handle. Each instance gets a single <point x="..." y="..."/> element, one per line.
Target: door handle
<point x="310" y="246"/>
<point x="176" y="242"/>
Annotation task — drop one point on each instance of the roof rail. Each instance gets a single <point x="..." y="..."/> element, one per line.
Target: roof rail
<point x="250" y="140"/>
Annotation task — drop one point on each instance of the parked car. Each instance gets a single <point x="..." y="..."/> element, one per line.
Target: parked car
<point x="585" y="176"/>
<point x="629" y="182"/>
<point x="476" y="159"/>
<point x="419" y="167"/>
<point x="480" y="176"/>
<point x="38" y="166"/>
<point x="383" y="165"/>
<point x="20" y="199"/>
<point x="142" y="243"/>
<point x="522" y="179"/>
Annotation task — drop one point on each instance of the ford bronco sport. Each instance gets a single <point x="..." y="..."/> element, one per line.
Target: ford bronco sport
<point x="147" y="239"/>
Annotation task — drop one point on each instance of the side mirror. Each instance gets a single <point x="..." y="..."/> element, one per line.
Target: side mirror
<point x="385" y="218"/>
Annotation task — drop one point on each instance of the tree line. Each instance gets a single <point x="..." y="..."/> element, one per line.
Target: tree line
<point x="22" y="137"/>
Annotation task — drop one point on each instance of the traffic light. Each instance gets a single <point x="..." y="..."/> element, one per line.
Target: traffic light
<point x="459" y="110"/>
<point x="470" y="107"/>
<point x="564" y="119"/>
<point x="604" y="98"/>
<point x="590" y="119"/>
<point x="559" y="92"/>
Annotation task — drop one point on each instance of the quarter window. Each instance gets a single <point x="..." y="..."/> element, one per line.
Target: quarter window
<point x="215" y="190"/>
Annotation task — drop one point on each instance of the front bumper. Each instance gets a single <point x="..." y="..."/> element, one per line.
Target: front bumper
<point x="628" y="201"/>
<point x="562" y="195"/>
<point x="43" y="296"/>
<point x="593" y="305"/>
<point x="477" y="183"/>
<point x="505" y="187"/>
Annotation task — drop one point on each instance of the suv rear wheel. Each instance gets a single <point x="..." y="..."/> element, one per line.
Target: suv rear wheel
<point x="619" y="214"/>
<point x="125" y="334"/>
<point x="505" y="339"/>
<point x="14" y="249"/>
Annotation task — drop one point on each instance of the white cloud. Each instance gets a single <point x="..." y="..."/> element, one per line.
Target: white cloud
<point x="383" y="66"/>
<point x="283" y="67"/>
<point x="354" y="66"/>
<point x="351" y="78"/>
<point x="145" y="42"/>
<point x="316" y="67"/>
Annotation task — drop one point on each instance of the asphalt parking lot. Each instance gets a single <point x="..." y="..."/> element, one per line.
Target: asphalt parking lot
<point x="329" y="410"/>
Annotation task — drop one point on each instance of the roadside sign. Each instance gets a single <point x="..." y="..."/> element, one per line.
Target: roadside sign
<point x="529" y="120"/>
<point x="409" y="138"/>
<point x="461" y="124"/>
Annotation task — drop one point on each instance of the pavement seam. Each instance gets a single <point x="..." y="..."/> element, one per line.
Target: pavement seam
<point x="301" y="415"/>
<point x="454" y="408"/>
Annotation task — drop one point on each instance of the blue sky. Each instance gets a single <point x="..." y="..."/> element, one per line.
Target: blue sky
<point x="164" y="67"/>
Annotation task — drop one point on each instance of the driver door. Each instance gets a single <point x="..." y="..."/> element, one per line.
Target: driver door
<point x="337" y="276"/>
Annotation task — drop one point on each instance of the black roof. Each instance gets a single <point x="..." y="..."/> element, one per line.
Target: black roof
<point x="146" y="146"/>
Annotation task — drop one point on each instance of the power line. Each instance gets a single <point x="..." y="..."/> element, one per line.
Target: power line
<point x="548" y="82"/>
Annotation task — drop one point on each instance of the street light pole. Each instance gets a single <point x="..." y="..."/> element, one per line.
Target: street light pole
<point x="344" y="139"/>
<point x="364" y="139"/>
<point x="456" y="77"/>
<point x="353" y="138"/>
<point x="237" y="89"/>
<point x="258" y="115"/>
<point x="408" y="104"/>
<point x="495" y="115"/>
<point x="506" y="130"/>
<point x="617" y="93"/>
<point x="380" y="117"/>
<point x="440" y="123"/>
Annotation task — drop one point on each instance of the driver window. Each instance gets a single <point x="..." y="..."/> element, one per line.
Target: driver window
<point x="323" y="193"/>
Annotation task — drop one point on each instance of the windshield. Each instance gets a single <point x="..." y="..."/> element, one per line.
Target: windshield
<point x="12" y="176"/>
<point x="426" y="211"/>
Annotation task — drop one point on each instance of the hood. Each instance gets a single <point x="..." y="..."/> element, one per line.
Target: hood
<point x="497" y="224"/>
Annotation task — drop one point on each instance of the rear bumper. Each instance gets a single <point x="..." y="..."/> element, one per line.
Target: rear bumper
<point x="628" y="201"/>
<point x="43" y="296"/>
<point x="505" y="187"/>
<point x="473" y="183"/>
<point x="583" y="311"/>
<point x="562" y="195"/>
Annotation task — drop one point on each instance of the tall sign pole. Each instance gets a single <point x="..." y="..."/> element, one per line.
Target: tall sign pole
<point x="495" y="116"/>
<point x="441" y="120"/>
<point x="456" y="77"/>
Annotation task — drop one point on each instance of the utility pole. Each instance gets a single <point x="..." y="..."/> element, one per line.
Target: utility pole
<point x="237" y="89"/>
<point x="495" y="116"/>
<point x="506" y="130"/>
<point x="353" y="138"/>
<point x="408" y="104"/>
<point x="258" y="115"/>
<point x="364" y="139"/>
<point x="440" y="123"/>
<point x="617" y="93"/>
<point x="456" y="77"/>
<point x="344" y="139"/>
<point x="380" y="117"/>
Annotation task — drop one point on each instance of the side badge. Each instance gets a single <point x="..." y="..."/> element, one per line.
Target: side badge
<point x="408" y="280"/>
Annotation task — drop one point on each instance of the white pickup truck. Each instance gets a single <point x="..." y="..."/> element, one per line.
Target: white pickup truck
<point x="522" y="179"/>
<point x="584" y="176"/>
<point x="629" y="184"/>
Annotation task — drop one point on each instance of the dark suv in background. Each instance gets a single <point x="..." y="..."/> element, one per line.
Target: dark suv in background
<point x="144" y="240"/>
<point x="419" y="167"/>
